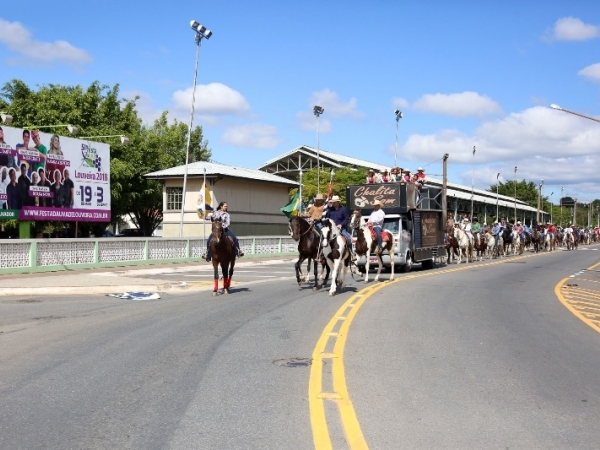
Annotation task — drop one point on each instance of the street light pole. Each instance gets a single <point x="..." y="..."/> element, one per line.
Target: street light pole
<point x="515" y="193"/>
<point x="497" y="183"/>
<point x="561" y="199"/>
<point x="398" y="114"/>
<point x="473" y="181"/>
<point x="201" y="32"/>
<point x="317" y="110"/>
<point x="551" y="205"/>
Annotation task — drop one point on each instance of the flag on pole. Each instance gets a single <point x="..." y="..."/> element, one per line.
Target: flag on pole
<point x="292" y="208"/>
<point x="204" y="205"/>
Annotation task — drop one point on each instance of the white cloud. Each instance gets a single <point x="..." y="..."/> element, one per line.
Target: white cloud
<point x="543" y="143"/>
<point x="212" y="99"/>
<point x="254" y="135"/>
<point x="464" y="104"/>
<point x="19" y="40"/>
<point x="573" y="29"/>
<point x="398" y="102"/>
<point x="308" y="122"/>
<point x="592" y="72"/>
<point x="144" y="106"/>
<point x="334" y="108"/>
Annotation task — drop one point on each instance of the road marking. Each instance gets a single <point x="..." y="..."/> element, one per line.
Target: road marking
<point x="345" y="315"/>
<point x="578" y="300"/>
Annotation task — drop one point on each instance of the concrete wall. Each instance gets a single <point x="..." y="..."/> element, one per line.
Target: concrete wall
<point x="253" y="206"/>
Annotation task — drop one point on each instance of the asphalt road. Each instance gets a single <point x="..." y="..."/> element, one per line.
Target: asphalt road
<point x="480" y="357"/>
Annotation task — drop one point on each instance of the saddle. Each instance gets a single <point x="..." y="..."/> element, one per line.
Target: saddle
<point x="385" y="237"/>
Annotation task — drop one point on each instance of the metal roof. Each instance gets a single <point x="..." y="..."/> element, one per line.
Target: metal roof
<point x="305" y="158"/>
<point x="196" y="169"/>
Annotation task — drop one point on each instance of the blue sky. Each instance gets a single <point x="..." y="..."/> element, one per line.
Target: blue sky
<point x="464" y="74"/>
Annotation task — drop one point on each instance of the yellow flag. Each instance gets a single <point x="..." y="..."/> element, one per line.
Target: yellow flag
<point x="204" y="204"/>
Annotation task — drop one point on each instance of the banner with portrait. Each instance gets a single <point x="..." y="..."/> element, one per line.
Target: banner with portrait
<point x="44" y="176"/>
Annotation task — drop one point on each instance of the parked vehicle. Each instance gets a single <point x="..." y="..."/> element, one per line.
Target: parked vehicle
<point x="413" y="216"/>
<point x="130" y="232"/>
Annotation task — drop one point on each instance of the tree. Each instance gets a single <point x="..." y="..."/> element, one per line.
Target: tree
<point x="98" y="111"/>
<point x="342" y="177"/>
<point x="526" y="191"/>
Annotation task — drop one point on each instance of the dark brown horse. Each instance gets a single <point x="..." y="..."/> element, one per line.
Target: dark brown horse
<point x="223" y="254"/>
<point x="537" y="239"/>
<point x="309" y="247"/>
<point x="481" y="247"/>
<point x="451" y="244"/>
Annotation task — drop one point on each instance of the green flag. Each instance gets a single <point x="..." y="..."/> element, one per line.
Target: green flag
<point x="291" y="209"/>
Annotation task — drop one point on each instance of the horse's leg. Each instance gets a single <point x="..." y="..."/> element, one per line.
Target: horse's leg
<point x="225" y="272"/>
<point x="216" y="275"/>
<point x="392" y="252"/>
<point x="334" y="276"/>
<point x="298" y="267"/>
<point x="379" y="266"/>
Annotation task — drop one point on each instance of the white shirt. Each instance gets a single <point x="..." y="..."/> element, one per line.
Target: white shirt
<point x="376" y="217"/>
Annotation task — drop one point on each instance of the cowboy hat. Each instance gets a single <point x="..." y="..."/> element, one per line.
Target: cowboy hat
<point x="420" y="169"/>
<point x="371" y="170"/>
<point x="376" y="203"/>
<point x="319" y="197"/>
<point x="406" y="171"/>
<point x="335" y="198"/>
<point x="475" y="219"/>
<point x="385" y="171"/>
<point x="465" y="220"/>
<point x="518" y="222"/>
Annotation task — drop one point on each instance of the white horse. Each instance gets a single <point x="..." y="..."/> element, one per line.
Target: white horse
<point x="464" y="245"/>
<point x="516" y="243"/>
<point x="336" y="252"/>
<point x="490" y="244"/>
<point x="548" y="241"/>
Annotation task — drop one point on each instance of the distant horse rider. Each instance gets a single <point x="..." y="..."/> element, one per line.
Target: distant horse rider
<point x="376" y="219"/>
<point x="466" y="227"/>
<point x="339" y="215"/>
<point x="314" y="213"/>
<point x="476" y="228"/>
<point x="222" y="215"/>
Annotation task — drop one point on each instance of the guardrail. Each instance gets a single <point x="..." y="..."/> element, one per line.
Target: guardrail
<point x="40" y="255"/>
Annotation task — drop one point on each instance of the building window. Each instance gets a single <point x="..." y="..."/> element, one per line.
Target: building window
<point x="174" y="195"/>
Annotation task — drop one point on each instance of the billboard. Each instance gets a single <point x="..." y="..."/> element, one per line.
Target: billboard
<point x="44" y="176"/>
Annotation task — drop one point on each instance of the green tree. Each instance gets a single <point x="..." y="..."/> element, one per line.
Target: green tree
<point x="98" y="110"/>
<point x="526" y="191"/>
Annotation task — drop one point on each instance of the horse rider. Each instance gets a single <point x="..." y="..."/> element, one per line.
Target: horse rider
<point x="376" y="220"/>
<point x="528" y="230"/>
<point x="314" y="213"/>
<point x="518" y="228"/>
<point x="339" y="215"/>
<point x="222" y="214"/>
<point x="466" y="227"/>
<point x="551" y="230"/>
<point x="496" y="230"/>
<point x="476" y="228"/>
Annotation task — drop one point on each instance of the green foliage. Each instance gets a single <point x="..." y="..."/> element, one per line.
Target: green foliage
<point x="342" y="177"/>
<point x="98" y="111"/>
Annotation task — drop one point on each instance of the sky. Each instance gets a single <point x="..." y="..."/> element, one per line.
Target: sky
<point x="464" y="74"/>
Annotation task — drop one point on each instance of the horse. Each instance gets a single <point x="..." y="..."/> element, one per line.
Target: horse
<point x="336" y="252"/>
<point x="451" y="244"/>
<point x="490" y="243"/>
<point x="517" y="243"/>
<point x="507" y="240"/>
<point x="464" y="245"/>
<point x="569" y="241"/>
<point x="479" y="247"/>
<point x="366" y="244"/>
<point x="223" y="254"/>
<point x="309" y="247"/>
<point x="537" y="240"/>
<point x="548" y="241"/>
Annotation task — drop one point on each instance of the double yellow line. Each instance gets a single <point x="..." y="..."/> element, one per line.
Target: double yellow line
<point x="330" y="347"/>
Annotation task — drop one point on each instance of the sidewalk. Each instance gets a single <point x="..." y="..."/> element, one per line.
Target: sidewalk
<point x="116" y="279"/>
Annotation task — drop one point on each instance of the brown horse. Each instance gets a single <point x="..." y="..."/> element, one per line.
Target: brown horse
<point x="223" y="254"/>
<point x="481" y="247"/>
<point x="537" y="239"/>
<point x="309" y="247"/>
<point x="451" y="244"/>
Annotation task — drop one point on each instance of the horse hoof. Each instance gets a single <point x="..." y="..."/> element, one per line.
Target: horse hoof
<point x="225" y="291"/>
<point x="215" y="293"/>
<point x="331" y="294"/>
<point x="316" y="288"/>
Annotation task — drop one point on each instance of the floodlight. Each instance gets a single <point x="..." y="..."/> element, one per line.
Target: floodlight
<point x="6" y="118"/>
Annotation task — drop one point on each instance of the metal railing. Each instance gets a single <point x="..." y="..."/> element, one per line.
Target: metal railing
<point x="39" y="255"/>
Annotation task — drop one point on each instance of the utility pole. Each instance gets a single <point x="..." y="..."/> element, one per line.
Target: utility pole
<point x="444" y="190"/>
<point x="575" y="213"/>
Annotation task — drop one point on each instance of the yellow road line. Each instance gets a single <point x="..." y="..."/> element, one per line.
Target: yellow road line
<point x="345" y="314"/>
<point x="567" y="304"/>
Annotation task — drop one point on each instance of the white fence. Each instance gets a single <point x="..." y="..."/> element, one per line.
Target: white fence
<point x="30" y="255"/>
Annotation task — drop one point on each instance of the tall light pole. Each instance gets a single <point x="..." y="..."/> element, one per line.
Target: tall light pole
<point x="201" y="32"/>
<point x="472" y="181"/>
<point x="515" y="182"/>
<point x="561" y="199"/>
<point x="497" y="183"/>
<point x="551" y="205"/>
<point x="539" y="201"/>
<point x="317" y="110"/>
<point x="558" y="108"/>
<point x="398" y="114"/>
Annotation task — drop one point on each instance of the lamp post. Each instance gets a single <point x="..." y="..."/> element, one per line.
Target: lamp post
<point x="72" y="129"/>
<point x="561" y="199"/>
<point x="317" y="111"/>
<point x="201" y="32"/>
<point x="539" y="200"/>
<point x="497" y="183"/>
<point x="398" y="114"/>
<point x="558" y="108"/>
<point x="124" y="139"/>
<point x="551" y="205"/>
<point x="473" y="181"/>
<point x="515" y="182"/>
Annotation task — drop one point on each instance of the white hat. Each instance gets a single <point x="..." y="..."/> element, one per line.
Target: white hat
<point x="465" y="220"/>
<point x="335" y="198"/>
<point x="420" y="169"/>
<point x="376" y="202"/>
<point x="319" y="197"/>
<point x="518" y="222"/>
